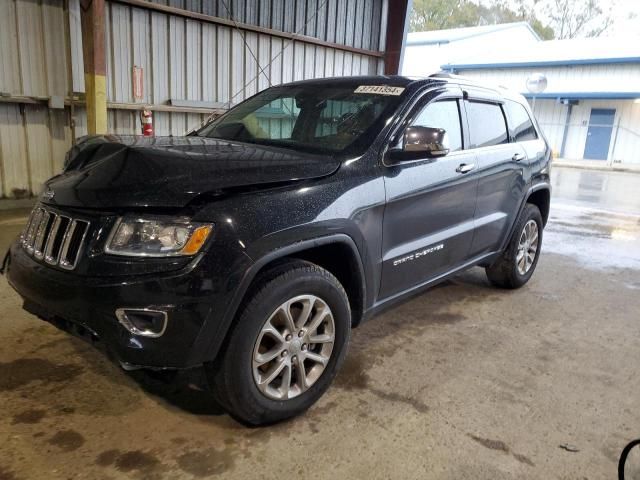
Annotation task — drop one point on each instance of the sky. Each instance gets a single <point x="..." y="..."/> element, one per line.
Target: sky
<point x="623" y="26"/>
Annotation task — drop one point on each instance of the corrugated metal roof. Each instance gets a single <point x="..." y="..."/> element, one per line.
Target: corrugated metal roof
<point x="455" y="34"/>
<point x="552" y="53"/>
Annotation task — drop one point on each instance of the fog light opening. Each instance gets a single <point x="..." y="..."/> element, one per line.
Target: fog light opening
<point x="145" y="322"/>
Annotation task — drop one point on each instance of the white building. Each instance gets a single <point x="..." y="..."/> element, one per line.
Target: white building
<point x="591" y="107"/>
<point x="425" y="52"/>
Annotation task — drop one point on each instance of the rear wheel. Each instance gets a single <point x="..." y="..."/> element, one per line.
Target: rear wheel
<point x="287" y="346"/>
<point x="517" y="263"/>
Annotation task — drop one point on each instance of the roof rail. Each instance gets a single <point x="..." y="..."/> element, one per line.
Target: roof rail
<point x="442" y="74"/>
<point x="470" y="81"/>
<point x="453" y="76"/>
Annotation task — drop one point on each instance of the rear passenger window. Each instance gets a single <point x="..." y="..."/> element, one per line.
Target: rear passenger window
<point x="443" y="114"/>
<point x="486" y="124"/>
<point x="522" y="128"/>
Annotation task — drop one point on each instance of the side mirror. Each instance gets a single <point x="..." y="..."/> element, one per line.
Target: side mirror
<point x="421" y="142"/>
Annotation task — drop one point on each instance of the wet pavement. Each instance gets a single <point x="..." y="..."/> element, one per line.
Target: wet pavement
<point x="461" y="382"/>
<point x="595" y="218"/>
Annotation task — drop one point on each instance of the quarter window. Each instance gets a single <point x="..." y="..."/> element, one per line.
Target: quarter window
<point x="522" y="128"/>
<point x="486" y="124"/>
<point x="443" y="114"/>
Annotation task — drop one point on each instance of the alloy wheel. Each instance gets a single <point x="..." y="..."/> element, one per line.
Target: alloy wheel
<point x="293" y="347"/>
<point x="527" y="247"/>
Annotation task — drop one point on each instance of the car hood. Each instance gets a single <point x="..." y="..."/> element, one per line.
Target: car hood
<point x="132" y="171"/>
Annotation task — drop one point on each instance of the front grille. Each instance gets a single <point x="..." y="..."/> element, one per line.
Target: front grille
<point x="54" y="238"/>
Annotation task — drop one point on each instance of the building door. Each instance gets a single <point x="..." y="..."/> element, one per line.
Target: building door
<point x="599" y="133"/>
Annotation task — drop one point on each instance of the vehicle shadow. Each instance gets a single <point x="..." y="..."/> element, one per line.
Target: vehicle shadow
<point x="186" y="390"/>
<point x="189" y="391"/>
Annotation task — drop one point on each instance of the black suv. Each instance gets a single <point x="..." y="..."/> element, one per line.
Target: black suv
<point x="253" y="245"/>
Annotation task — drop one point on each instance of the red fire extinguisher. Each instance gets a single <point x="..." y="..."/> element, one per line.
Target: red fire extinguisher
<point x="146" y="118"/>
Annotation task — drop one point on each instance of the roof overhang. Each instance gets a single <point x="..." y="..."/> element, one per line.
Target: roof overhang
<point x="585" y="95"/>
<point x="454" y="67"/>
<point x="441" y="37"/>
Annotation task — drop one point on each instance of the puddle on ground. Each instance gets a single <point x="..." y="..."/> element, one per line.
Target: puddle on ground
<point x="595" y="239"/>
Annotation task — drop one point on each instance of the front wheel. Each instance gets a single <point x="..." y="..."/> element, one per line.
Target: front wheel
<point x="287" y="345"/>
<point x="517" y="263"/>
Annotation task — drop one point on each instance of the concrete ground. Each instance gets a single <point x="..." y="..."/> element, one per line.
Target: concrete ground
<point x="597" y="165"/>
<point x="461" y="382"/>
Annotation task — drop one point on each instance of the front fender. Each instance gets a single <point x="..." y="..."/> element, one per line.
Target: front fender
<point x="212" y="338"/>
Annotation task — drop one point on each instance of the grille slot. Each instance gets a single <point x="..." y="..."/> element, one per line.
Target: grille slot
<point x="54" y="238"/>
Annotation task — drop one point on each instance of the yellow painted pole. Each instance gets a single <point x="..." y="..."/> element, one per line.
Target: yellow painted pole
<point x="95" y="80"/>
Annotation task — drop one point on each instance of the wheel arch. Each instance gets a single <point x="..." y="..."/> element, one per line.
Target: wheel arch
<point x="541" y="198"/>
<point x="539" y="195"/>
<point x="336" y="253"/>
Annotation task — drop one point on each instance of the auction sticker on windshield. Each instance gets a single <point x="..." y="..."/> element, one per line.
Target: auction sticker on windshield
<point x="379" y="89"/>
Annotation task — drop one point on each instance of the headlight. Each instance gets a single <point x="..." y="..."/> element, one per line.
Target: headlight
<point x="146" y="237"/>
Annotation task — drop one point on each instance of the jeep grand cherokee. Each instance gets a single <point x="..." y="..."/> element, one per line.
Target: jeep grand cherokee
<point x="254" y="245"/>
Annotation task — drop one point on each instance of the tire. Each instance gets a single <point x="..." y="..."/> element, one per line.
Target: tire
<point x="297" y="287"/>
<point x="508" y="271"/>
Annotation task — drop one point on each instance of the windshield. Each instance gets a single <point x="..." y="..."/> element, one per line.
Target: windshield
<point x="313" y="118"/>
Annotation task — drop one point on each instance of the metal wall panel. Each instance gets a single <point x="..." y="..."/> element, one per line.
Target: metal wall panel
<point x="177" y="64"/>
<point x="10" y="71"/>
<point x="119" y="50"/>
<point x="237" y="67"/>
<point x="194" y="80"/>
<point x="38" y="147"/>
<point x="209" y="70"/>
<point x="142" y="52"/>
<point x="298" y="61"/>
<point x="275" y="67"/>
<point x="223" y="63"/>
<point x="60" y="137"/>
<point x="75" y="46"/>
<point x="30" y="47"/>
<point x="358" y="22"/>
<point x="13" y="152"/>
<point x="181" y="59"/>
<point x="159" y="73"/>
<point x="251" y="68"/>
<point x="55" y="48"/>
<point x="264" y="56"/>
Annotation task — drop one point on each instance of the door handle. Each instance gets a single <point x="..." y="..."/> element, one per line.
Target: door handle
<point x="465" y="167"/>
<point x="517" y="157"/>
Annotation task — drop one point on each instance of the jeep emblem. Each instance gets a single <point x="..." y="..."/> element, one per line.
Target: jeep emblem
<point x="48" y="194"/>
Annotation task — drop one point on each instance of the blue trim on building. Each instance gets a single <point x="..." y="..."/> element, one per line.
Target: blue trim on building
<point x="453" y="67"/>
<point x="586" y="95"/>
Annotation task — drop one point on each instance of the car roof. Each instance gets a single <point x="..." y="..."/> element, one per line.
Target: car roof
<point x="410" y="83"/>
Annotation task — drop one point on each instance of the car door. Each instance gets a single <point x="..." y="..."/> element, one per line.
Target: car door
<point x="500" y="172"/>
<point x="428" y="219"/>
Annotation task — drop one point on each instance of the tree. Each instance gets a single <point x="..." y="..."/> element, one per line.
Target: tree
<point x="502" y="11"/>
<point x="577" y="18"/>
<point x="441" y="14"/>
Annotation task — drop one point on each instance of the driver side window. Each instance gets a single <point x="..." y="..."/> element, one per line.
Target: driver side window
<point x="443" y="114"/>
